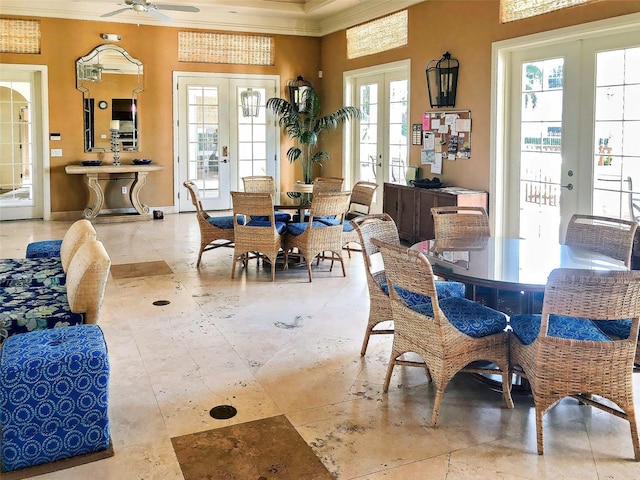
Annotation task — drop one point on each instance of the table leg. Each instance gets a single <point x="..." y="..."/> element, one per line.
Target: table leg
<point x="134" y="193"/>
<point x="93" y="210"/>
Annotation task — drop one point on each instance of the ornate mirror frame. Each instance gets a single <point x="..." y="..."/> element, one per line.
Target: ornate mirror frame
<point x="104" y="76"/>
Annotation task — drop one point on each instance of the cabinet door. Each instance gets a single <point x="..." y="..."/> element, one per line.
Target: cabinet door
<point x="407" y="207"/>
<point x="390" y="201"/>
<point x="426" y="200"/>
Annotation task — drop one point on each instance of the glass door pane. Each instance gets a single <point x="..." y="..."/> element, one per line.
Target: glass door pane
<point x="398" y="136"/>
<point x="540" y="147"/>
<point x="368" y="144"/>
<point x="616" y="147"/>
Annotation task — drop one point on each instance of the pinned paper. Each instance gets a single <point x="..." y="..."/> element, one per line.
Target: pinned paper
<point x="463" y="124"/>
<point x="426" y="122"/>
<point x="436" y="166"/>
<point x="427" y="157"/>
<point x="428" y="140"/>
<point x="450" y="118"/>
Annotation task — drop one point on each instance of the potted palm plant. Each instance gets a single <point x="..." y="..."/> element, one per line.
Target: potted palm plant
<point x="304" y="125"/>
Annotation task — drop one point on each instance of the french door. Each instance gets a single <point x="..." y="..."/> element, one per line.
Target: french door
<point x="217" y="143"/>
<point x="381" y="140"/>
<point x="574" y="108"/>
<point x="22" y="157"/>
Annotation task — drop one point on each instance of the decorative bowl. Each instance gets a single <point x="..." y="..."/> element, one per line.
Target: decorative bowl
<point x="141" y="161"/>
<point x="294" y="194"/>
<point x="91" y="163"/>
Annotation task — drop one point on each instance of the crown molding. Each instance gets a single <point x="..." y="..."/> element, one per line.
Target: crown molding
<point x="315" y="18"/>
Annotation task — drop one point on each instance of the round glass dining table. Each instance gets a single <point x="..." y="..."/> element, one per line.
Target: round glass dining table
<point x="513" y="264"/>
<point x="508" y="263"/>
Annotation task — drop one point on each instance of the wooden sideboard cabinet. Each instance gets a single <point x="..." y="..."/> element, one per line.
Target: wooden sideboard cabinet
<point x="410" y="207"/>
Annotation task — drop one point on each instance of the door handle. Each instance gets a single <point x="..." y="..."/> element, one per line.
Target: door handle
<point x="568" y="186"/>
<point x="224" y="160"/>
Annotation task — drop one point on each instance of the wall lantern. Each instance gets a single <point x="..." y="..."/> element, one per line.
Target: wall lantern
<point x="299" y="93"/>
<point x="250" y="100"/>
<point x="442" y="81"/>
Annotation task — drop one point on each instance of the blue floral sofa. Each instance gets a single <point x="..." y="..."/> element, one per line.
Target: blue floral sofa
<point x="47" y="261"/>
<point x="48" y="292"/>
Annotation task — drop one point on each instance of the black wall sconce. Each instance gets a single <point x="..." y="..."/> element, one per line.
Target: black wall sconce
<point x="250" y="100"/>
<point x="442" y="81"/>
<point x="299" y="93"/>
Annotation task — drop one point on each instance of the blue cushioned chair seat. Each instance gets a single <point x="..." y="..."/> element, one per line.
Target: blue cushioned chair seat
<point x="44" y="249"/>
<point x="54" y="396"/>
<point x="281" y="227"/>
<point x="443" y="290"/>
<point x="329" y="220"/>
<point x="16" y="272"/>
<point x="297" y="228"/>
<point x="280" y="217"/>
<point x="527" y="326"/>
<point x="615" y="328"/>
<point x="25" y="309"/>
<point x="225" y="223"/>
<point x="468" y="317"/>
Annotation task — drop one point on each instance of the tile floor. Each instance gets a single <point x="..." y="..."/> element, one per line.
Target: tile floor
<point x="292" y="347"/>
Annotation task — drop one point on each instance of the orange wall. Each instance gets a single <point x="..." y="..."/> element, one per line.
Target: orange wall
<point x="467" y="30"/>
<point x="64" y="41"/>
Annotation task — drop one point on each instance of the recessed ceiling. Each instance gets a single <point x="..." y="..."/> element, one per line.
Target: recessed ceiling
<point x="287" y="17"/>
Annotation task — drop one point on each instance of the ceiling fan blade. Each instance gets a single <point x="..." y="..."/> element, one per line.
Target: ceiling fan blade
<point x="177" y="8"/>
<point x="159" y="15"/>
<point x="115" y="12"/>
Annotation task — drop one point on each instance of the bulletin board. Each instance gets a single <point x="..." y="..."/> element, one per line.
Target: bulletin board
<point x="446" y="135"/>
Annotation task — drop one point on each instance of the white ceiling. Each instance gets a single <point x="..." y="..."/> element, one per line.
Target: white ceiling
<point x="287" y="17"/>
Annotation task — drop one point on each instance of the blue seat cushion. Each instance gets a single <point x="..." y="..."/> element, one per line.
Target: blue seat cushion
<point x="25" y="309"/>
<point x="297" y="228"/>
<point x="346" y="227"/>
<point x="328" y="219"/>
<point x="527" y="326"/>
<point x="225" y="223"/>
<point x="615" y="328"/>
<point x="280" y="217"/>
<point x="443" y="290"/>
<point x="281" y="227"/>
<point x="44" y="249"/>
<point x="467" y="316"/>
<point x="17" y="272"/>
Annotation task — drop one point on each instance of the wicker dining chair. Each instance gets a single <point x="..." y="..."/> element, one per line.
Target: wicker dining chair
<point x="460" y="222"/>
<point x="313" y="238"/>
<point x="612" y="237"/>
<point x="257" y="237"/>
<point x="264" y="184"/>
<point x="327" y="184"/>
<point x="359" y="205"/>
<point x="562" y="353"/>
<point x="382" y="227"/>
<point x="214" y="231"/>
<point x="449" y="335"/>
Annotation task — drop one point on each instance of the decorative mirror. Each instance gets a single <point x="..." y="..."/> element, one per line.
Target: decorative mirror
<point x="110" y="80"/>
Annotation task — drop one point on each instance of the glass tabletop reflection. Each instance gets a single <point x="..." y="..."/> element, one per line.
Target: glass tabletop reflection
<point x="508" y="263"/>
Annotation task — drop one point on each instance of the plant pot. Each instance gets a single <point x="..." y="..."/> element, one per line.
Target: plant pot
<point x="303" y="187"/>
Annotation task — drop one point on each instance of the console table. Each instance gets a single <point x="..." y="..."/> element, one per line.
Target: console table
<point x="92" y="175"/>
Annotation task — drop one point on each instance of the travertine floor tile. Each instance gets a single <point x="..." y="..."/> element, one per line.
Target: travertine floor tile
<point x="292" y="347"/>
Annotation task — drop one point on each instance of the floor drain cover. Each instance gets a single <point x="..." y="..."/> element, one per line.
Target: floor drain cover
<point x="159" y="303"/>
<point x="222" y="412"/>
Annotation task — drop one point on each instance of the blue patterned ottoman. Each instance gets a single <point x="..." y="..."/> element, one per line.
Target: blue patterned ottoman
<point x="54" y="391"/>
<point x="44" y="249"/>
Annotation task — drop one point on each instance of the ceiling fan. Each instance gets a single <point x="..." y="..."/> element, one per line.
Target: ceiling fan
<point x="147" y="6"/>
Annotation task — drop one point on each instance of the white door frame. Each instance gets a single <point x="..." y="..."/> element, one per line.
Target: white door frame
<point x="176" y="115"/>
<point x="500" y="133"/>
<point x="41" y="169"/>
<point x="350" y="134"/>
